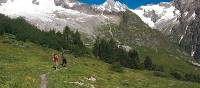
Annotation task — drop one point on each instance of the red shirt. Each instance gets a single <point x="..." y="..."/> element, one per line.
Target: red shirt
<point x="55" y="58"/>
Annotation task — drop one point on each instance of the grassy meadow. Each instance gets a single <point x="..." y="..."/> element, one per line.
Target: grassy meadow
<point x="22" y="63"/>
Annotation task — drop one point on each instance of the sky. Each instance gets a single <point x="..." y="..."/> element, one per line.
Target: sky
<point x="130" y="3"/>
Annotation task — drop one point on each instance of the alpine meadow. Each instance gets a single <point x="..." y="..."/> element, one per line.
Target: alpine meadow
<point x="99" y="44"/>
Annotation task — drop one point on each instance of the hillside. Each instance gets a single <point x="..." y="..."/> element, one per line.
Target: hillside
<point x="119" y="37"/>
<point x="178" y="19"/>
<point x="23" y="62"/>
<point x="134" y="33"/>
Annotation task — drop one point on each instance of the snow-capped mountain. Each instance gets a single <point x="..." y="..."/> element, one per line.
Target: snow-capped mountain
<point x="160" y="16"/>
<point x="178" y="19"/>
<point x="56" y="14"/>
<point x="111" y="6"/>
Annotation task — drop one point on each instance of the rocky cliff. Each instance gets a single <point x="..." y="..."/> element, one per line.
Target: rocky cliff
<point x="187" y="32"/>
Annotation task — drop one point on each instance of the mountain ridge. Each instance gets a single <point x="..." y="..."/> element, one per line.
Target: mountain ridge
<point x="181" y="27"/>
<point x="46" y="15"/>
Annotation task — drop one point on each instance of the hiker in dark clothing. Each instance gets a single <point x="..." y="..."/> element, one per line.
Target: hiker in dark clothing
<point x="64" y="59"/>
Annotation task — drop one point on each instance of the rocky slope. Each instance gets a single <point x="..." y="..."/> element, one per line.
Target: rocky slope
<point x="187" y="31"/>
<point x="178" y="19"/>
<point x="132" y="31"/>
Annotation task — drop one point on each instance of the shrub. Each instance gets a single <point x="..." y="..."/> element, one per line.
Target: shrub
<point x="192" y="77"/>
<point x="148" y="63"/>
<point x="125" y="83"/>
<point x="134" y="59"/>
<point x="159" y="74"/>
<point x="7" y="42"/>
<point x="177" y="75"/>
<point x="116" y="67"/>
<point x="157" y="68"/>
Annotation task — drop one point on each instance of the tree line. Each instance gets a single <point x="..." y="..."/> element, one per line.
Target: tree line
<point x="109" y="52"/>
<point x="56" y="40"/>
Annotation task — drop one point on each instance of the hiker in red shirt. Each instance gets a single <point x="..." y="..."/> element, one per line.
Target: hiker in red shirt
<point x="55" y="60"/>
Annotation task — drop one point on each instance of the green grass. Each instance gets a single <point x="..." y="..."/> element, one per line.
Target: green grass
<point x="170" y="59"/>
<point x="21" y="64"/>
<point x="85" y="68"/>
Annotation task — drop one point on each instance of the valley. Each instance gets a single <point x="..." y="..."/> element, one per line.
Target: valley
<point x="107" y="45"/>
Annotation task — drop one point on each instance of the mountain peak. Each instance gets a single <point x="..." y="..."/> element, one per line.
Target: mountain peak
<point x="155" y="14"/>
<point x="112" y="6"/>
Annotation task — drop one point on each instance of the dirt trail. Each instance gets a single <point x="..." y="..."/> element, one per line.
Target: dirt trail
<point x="44" y="81"/>
<point x="44" y="78"/>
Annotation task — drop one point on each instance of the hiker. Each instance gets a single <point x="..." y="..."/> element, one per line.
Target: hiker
<point x="55" y="59"/>
<point x="64" y="59"/>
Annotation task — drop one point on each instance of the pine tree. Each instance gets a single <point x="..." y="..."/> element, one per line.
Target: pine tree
<point x="197" y="55"/>
<point x="96" y="48"/>
<point x="67" y="37"/>
<point x="77" y="39"/>
<point x="103" y="50"/>
<point x="1" y="30"/>
<point x="124" y="58"/>
<point x="148" y="63"/>
<point x="134" y="59"/>
<point x="67" y="34"/>
<point x="52" y="32"/>
<point x="111" y="50"/>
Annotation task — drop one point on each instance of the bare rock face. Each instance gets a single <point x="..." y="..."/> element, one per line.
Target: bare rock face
<point x="60" y="2"/>
<point x="152" y="14"/>
<point x="187" y="32"/>
<point x="71" y="1"/>
<point x="3" y="1"/>
<point x="35" y="2"/>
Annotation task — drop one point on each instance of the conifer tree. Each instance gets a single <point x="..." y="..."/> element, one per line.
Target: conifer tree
<point x="148" y="63"/>
<point x="96" y="48"/>
<point x="134" y="59"/>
